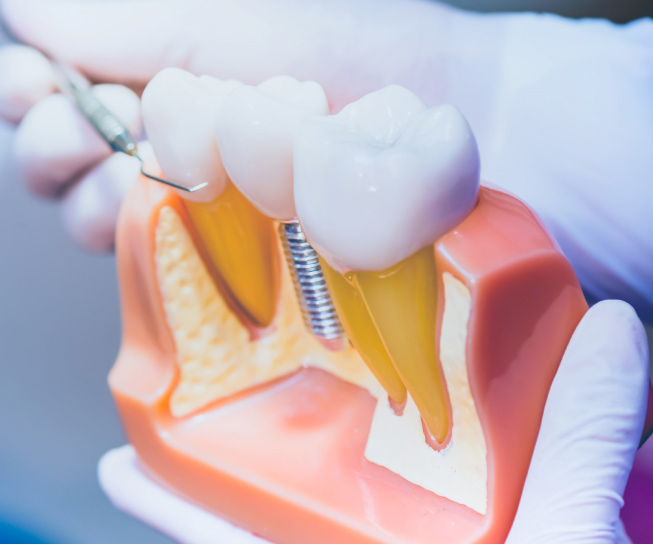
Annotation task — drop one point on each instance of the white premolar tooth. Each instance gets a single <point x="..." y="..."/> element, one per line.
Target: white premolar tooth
<point x="179" y="112"/>
<point x="384" y="178"/>
<point x="255" y="130"/>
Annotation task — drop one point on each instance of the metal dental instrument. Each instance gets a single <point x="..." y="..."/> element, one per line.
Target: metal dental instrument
<point x="107" y="125"/>
<point x="318" y="311"/>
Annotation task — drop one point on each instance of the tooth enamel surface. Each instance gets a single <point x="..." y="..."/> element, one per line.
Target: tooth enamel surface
<point x="255" y="130"/>
<point x="179" y="112"/>
<point x="383" y="178"/>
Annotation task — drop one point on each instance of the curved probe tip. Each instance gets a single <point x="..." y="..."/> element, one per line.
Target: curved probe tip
<point x="175" y="185"/>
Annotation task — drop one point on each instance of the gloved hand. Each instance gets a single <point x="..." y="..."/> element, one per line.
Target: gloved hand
<point x="59" y="154"/>
<point x="582" y="458"/>
<point x="561" y="108"/>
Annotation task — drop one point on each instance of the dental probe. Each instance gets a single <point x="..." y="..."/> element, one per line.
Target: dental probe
<point x="106" y="124"/>
<point x="319" y="313"/>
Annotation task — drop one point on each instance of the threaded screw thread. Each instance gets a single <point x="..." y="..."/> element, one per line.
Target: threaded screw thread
<point x="317" y="308"/>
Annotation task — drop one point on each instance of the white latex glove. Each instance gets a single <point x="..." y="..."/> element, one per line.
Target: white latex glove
<point x="562" y="109"/>
<point x="590" y="431"/>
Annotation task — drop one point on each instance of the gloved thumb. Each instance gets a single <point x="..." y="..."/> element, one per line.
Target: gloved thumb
<point x="120" y="41"/>
<point x="590" y="431"/>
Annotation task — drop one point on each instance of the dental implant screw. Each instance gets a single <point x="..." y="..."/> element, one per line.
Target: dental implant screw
<point x="317" y="308"/>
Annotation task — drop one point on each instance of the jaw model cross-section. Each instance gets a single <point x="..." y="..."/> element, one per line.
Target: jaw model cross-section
<point x="457" y="303"/>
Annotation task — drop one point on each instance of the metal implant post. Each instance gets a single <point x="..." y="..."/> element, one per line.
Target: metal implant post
<point x="317" y="308"/>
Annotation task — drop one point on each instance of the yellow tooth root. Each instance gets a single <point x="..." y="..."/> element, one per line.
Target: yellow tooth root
<point x="402" y="302"/>
<point x="241" y="245"/>
<point x="362" y="333"/>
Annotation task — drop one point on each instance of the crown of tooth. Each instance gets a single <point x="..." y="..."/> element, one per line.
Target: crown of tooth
<point x="179" y="113"/>
<point x="255" y="129"/>
<point x="384" y="178"/>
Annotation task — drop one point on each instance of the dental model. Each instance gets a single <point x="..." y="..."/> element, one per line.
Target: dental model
<point x="457" y="303"/>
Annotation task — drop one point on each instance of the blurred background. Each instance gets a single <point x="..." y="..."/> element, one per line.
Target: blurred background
<point x="59" y="335"/>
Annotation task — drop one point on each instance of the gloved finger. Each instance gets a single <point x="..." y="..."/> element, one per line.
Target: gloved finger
<point x="122" y="40"/>
<point x="27" y="77"/>
<point x="590" y="431"/>
<point x="131" y="41"/>
<point x="349" y="47"/>
<point x="54" y="143"/>
<point x="557" y="147"/>
<point x="90" y="208"/>
<point x="620" y="534"/>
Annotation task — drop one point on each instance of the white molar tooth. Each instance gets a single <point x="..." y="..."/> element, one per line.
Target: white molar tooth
<point x="384" y="178"/>
<point x="255" y="130"/>
<point x="179" y="112"/>
<point x="383" y="115"/>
